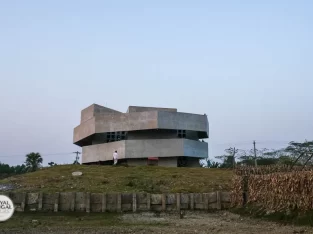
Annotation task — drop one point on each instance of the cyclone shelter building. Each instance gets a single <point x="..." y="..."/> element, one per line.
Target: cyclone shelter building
<point x="141" y="136"/>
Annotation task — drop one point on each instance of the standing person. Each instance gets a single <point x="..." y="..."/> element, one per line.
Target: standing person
<point x="115" y="157"/>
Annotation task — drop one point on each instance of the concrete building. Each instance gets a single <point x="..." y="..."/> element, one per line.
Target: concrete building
<point x="172" y="138"/>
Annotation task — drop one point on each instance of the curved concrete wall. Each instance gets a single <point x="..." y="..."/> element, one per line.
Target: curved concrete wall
<point x="127" y="122"/>
<point x="183" y="121"/>
<point x="141" y="121"/>
<point x="144" y="149"/>
<point x="103" y="152"/>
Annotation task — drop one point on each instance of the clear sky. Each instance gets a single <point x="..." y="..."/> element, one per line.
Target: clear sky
<point x="247" y="64"/>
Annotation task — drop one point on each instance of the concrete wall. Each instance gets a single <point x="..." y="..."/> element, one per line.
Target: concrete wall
<point x="145" y="148"/>
<point x="87" y="113"/>
<point x="168" y="162"/>
<point x="141" y="121"/>
<point x="127" y="122"/>
<point x="163" y="162"/>
<point x="182" y="121"/>
<point x="84" y="130"/>
<point x="195" y="149"/>
<point x="137" y="162"/>
<point x="142" y="109"/>
<point x="154" y="148"/>
<point x="103" y="152"/>
<point x="118" y="202"/>
<point x="94" y="110"/>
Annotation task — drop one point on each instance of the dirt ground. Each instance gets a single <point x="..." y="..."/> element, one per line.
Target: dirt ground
<point x="217" y="222"/>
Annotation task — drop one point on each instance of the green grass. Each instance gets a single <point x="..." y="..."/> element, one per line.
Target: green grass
<point x="122" y="179"/>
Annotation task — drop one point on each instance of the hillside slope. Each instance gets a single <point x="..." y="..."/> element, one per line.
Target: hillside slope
<point x="122" y="179"/>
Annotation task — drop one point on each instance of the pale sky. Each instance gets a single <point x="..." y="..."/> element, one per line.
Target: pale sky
<point x="247" y="64"/>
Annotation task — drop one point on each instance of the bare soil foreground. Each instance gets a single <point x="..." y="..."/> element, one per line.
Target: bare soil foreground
<point x="192" y="222"/>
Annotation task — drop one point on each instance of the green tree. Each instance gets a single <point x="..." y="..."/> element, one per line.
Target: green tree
<point x="229" y="159"/>
<point x="33" y="161"/>
<point x="300" y="152"/>
<point x="7" y="170"/>
<point x="51" y="164"/>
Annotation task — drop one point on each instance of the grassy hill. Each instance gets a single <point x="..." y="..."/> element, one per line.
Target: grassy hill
<point x="122" y="179"/>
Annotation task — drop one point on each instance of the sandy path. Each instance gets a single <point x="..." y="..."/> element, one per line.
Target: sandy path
<point x="219" y="222"/>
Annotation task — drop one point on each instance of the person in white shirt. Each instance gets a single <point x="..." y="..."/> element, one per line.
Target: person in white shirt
<point x="115" y="157"/>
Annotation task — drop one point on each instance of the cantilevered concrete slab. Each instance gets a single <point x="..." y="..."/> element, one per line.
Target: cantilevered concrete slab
<point x="141" y="133"/>
<point x="143" y="109"/>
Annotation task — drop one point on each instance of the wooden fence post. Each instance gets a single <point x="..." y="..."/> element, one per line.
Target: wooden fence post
<point x="163" y="202"/>
<point x="104" y="202"/>
<point x="73" y="199"/>
<point x="56" y="202"/>
<point x="192" y="201"/>
<point x="206" y="201"/>
<point x="134" y="202"/>
<point x="245" y="181"/>
<point x="87" y="202"/>
<point x="40" y="197"/>
<point x="218" y="200"/>
<point x="119" y="203"/>
<point x="148" y="201"/>
<point x="178" y="201"/>
<point x="23" y="201"/>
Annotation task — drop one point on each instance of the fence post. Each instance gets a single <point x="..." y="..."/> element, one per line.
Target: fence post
<point x="119" y="202"/>
<point x="23" y="201"/>
<point x="218" y="200"/>
<point x="178" y="201"/>
<point x="192" y="201"/>
<point x="87" y="202"/>
<point x="56" y="202"/>
<point x="245" y="180"/>
<point x="40" y="201"/>
<point x="134" y="202"/>
<point x="104" y="202"/>
<point x="73" y="201"/>
<point x="148" y="201"/>
<point x="205" y="197"/>
<point x="163" y="202"/>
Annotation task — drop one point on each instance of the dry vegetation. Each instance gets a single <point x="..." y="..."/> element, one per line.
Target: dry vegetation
<point x="281" y="191"/>
<point x="263" y="170"/>
<point x="122" y="179"/>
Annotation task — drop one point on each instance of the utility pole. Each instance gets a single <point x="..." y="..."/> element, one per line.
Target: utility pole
<point x="255" y="159"/>
<point x="234" y="161"/>
<point x="77" y="157"/>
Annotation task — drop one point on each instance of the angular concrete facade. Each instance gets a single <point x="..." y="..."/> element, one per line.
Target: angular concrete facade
<point x="142" y="132"/>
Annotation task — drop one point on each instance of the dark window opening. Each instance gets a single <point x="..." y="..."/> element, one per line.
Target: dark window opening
<point x="181" y="133"/>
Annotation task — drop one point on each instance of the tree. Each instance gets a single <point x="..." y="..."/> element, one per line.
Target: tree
<point x="7" y="170"/>
<point x="247" y="157"/>
<point x="229" y="159"/>
<point x="51" y="164"/>
<point x="33" y="161"/>
<point x="215" y="165"/>
<point x="300" y="152"/>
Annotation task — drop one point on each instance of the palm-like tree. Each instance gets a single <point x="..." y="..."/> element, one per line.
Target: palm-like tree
<point x="33" y="161"/>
